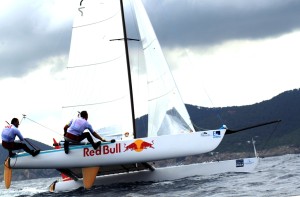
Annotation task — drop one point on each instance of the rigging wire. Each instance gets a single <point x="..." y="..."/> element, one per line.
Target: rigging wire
<point x="264" y="151"/>
<point x="25" y="117"/>
<point x="210" y="100"/>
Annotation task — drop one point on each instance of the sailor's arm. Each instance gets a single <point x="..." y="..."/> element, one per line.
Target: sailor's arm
<point x="18" y="133"/>
<point x="98" y="136"/>
<point x="65" y="129"/>
<point x="67" y="126"/>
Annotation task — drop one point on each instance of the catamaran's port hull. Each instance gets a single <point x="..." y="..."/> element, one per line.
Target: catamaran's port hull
<point x="123" y="152"/>
<point x="165" y="174"/>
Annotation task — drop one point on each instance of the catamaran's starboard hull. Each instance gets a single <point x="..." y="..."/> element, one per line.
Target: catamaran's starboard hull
<point x="123" y="152"/>
<point x="166" y="173"/>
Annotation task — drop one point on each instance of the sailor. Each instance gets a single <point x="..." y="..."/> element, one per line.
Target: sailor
<point x="9" y="134"/>
<point x="74" y="132"/>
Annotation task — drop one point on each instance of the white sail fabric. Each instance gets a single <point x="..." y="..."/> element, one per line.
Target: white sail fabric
<point x="97" y="78"/>
<point x="167" y="112"/>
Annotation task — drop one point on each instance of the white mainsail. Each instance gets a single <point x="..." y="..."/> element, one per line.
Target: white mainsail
<point x="167" y="112"/>
<point x="97" y="79"/>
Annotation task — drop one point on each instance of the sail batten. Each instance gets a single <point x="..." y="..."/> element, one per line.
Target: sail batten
<point x="149" y="45"/>
<point x="88" y="104"/>
<point x="94" y="23"/>
<point x="94" y="64"/>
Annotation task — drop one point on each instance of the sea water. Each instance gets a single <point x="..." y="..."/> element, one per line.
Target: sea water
<point x="274" y="176"/>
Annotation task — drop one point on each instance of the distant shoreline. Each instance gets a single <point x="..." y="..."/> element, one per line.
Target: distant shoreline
<point x="207" y="157"/>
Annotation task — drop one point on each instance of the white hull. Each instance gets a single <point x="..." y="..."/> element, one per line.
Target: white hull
<point x="123" y="152"/>
<point x="166" y="173"/>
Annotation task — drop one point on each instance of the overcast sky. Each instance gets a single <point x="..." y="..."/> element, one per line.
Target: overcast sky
<point x="222" y="52"/>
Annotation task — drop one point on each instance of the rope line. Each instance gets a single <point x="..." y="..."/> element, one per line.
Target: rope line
<point x="264" y="151"/>
<point x="24" y="116"/>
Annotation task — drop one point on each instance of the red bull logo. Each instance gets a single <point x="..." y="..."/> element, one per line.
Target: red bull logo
<point x="139" y="145"/>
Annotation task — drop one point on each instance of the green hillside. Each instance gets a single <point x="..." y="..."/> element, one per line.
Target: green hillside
<point x="284" y="107"/>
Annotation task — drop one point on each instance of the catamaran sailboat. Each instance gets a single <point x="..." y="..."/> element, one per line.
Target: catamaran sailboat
<point x="100" y="76"/>
<point x="132" y="175"/>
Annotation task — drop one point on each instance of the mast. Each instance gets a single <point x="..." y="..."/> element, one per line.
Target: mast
<point x="128" y="69"/>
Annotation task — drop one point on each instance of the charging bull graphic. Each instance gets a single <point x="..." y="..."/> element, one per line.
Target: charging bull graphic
<point x="139" y="145"/>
